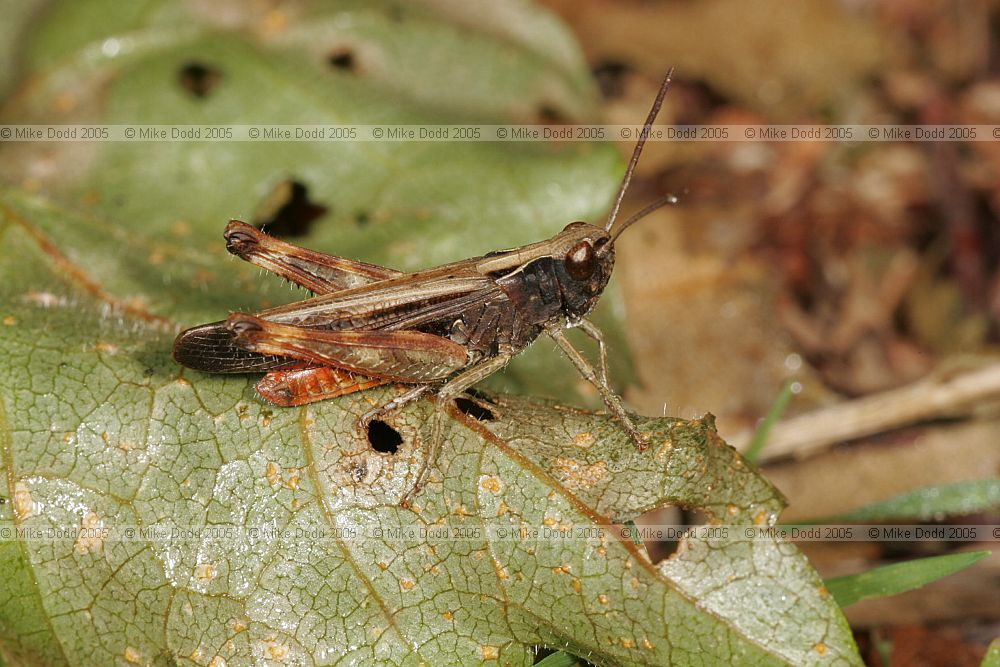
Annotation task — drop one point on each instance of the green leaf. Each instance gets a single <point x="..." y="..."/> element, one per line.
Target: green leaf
<point x="899" y="577"/>
<point x="408" y="205"/>
<point x="992" y="658"/>
<point x="931" y="503"/>
<point x="101" y="433"/>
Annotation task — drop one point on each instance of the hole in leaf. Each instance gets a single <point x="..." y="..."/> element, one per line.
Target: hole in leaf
<point x="651" y="529"/>
<point x="480" y="395"/>
<point x="550" y="115"/>
<point x="342" y="59"/>
<point x="199" y="79"/>
<point x="383" y="438"/>
<point x="610" y="75"/>
<point x="474" y="409"/>
<point x="288" y="212"/>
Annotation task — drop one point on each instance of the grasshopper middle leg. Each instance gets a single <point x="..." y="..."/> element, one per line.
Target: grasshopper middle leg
<point x="451" y="389"/>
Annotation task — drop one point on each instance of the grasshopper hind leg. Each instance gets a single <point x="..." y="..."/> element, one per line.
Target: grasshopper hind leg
<point x="309" y="384"/>
<point x="393" y="405"/>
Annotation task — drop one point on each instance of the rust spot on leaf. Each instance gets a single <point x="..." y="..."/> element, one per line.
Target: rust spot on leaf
<point x="90" y="538"/>
<point x="276" y="650"/>
<point x="24" y="506"/>
<point x="491" y="483"/>
<point x="204" y="572"/>
<point x="578" y="475"/>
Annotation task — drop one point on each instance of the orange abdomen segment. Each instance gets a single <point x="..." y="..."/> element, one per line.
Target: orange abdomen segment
<point x="301" y="386"/>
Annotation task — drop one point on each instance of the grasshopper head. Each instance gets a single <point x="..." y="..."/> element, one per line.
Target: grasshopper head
<point x="584" y="261"/>
<point x="585" y="257"/>
<point x="589" y="255"/>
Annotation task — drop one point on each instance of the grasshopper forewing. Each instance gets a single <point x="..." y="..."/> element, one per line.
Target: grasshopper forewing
<point x="447" y="327"/>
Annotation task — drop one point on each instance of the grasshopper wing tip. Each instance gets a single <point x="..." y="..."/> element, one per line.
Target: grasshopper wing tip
<point x="194" y="347"/>
<point x="212" y="348"/>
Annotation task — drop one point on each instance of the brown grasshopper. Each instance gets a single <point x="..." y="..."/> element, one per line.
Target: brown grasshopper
<point x="447" y="327"/>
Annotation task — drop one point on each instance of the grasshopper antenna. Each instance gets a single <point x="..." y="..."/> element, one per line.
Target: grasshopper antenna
<point x="646" y="128"/>
<point x="665" y="200"/>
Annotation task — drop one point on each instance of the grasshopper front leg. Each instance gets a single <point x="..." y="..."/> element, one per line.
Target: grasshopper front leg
<point x="589" y="328"/>
<point x="611" y="399"/>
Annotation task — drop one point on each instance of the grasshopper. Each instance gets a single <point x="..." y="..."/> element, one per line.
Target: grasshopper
<point x="447" y="327"/>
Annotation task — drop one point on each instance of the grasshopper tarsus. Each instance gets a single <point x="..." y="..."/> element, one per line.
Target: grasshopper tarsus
<point x="447" y="327"/>
<point x="642" y="441"/>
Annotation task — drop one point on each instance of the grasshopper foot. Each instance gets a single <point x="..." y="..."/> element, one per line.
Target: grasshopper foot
<point x="640" y="439"/>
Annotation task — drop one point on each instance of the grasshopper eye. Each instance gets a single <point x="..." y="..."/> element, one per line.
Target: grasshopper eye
<point x="580" y="262"/>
